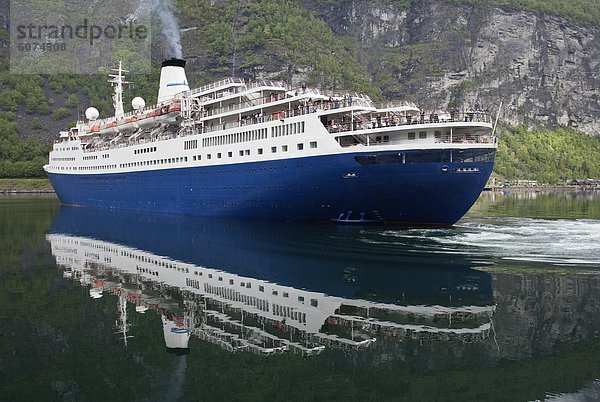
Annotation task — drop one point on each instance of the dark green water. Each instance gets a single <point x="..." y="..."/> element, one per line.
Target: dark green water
<point x="503" y="306"/>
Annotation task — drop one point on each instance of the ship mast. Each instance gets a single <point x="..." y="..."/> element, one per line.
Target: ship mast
<point x="117" y="80"/>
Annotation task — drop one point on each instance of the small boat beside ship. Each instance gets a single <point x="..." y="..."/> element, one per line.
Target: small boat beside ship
<point x="263" y="150"/>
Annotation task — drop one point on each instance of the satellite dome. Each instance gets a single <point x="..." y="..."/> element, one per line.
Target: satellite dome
<point x="91" y="113"/>
<point x="138" y="103"/>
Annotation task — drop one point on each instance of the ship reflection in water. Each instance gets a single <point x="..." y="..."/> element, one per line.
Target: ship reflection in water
<point x="270" y="288"/>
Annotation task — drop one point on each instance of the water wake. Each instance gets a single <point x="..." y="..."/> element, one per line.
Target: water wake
<point x="559" y="242"/>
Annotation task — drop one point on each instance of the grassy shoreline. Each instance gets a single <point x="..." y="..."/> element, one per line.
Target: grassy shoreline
<point x="11" y="186"/>
<point x="29" y="186"/>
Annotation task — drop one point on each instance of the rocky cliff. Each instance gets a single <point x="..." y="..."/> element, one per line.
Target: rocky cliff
<point x="543" y="68"/>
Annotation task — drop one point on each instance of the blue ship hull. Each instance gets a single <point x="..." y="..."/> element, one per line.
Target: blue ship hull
<point x="329" y="259"/>
<point x="419" y="188"/>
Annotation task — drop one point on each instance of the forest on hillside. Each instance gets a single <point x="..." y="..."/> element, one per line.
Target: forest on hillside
<point x="265" y="35"/>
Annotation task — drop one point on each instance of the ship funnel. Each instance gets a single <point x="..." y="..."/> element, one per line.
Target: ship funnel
<point x="172" y="79"/>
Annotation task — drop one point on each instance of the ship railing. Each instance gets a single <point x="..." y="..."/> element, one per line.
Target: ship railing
<point x="248" y="104"/>
<point x="299" y="104"/>
<point x="258" y="118"/>
<point x="298" y="110"/>
<point x="367" y="139"/>
<point x="376" y="122"/>
<point x="236" y="90"/>
<point x="425" y="117"/>
<point x="347" y="101"/>
<point x="397" y="105"/>
<point x="264" y="83"/>
<point x="215" y="85"/>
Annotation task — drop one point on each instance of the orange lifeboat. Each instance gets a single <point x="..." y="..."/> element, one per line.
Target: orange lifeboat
<point x="128" y="124"/>
<point x="175" y="106"/>
<point x="109" y="128"/>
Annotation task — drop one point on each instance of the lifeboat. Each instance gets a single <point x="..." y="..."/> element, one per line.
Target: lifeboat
<point x="128" y="125"/>
<point x="175" y="106"/>
<point x="109" y="128"/>
<point x="146" y="120"/>
<point x="166" y="113"/>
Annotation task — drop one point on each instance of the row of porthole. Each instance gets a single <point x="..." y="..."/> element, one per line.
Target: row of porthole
<point x="260" y="151"/>
<point x="64" y="159"/>
<point x="284" y="148"/>
<point x="100" y="167"/>
<point x="300" y="146"/>
<point x="68" y="149"/>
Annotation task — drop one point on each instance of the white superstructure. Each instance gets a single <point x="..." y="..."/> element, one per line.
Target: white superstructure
<point x="232" y="121"/>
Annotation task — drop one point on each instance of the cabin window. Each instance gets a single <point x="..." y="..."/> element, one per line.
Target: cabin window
<point x="301" y="299"/>
<point x="313" y="144"/>
<point x="247" y="152"/>
<point x="241" y="153"/>
<point x="273" y="149"/>
<point x="437" y="134"/>
<point x="191" y="144"/>
<point x="218" y="154"/>
<point x="260" y="151"/>
<point x="314" y="302"/>
<point x="300" y="147"/>
<point x="261" y="288"/>
<point x="411" y="136"/>
<point x="230" y="154"/>
<point x="422" y="134"/>
<point x="284" y="148"/>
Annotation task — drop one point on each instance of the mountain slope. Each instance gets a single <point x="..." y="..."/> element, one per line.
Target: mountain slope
<point x="540" y="58"/>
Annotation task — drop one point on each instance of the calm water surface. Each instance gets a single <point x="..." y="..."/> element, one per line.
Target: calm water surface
<point x="106" y="305"/>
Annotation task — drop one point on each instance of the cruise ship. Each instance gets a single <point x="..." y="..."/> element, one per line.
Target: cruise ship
<point x="223" y="286"/>
<point x="263" y="150"/>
